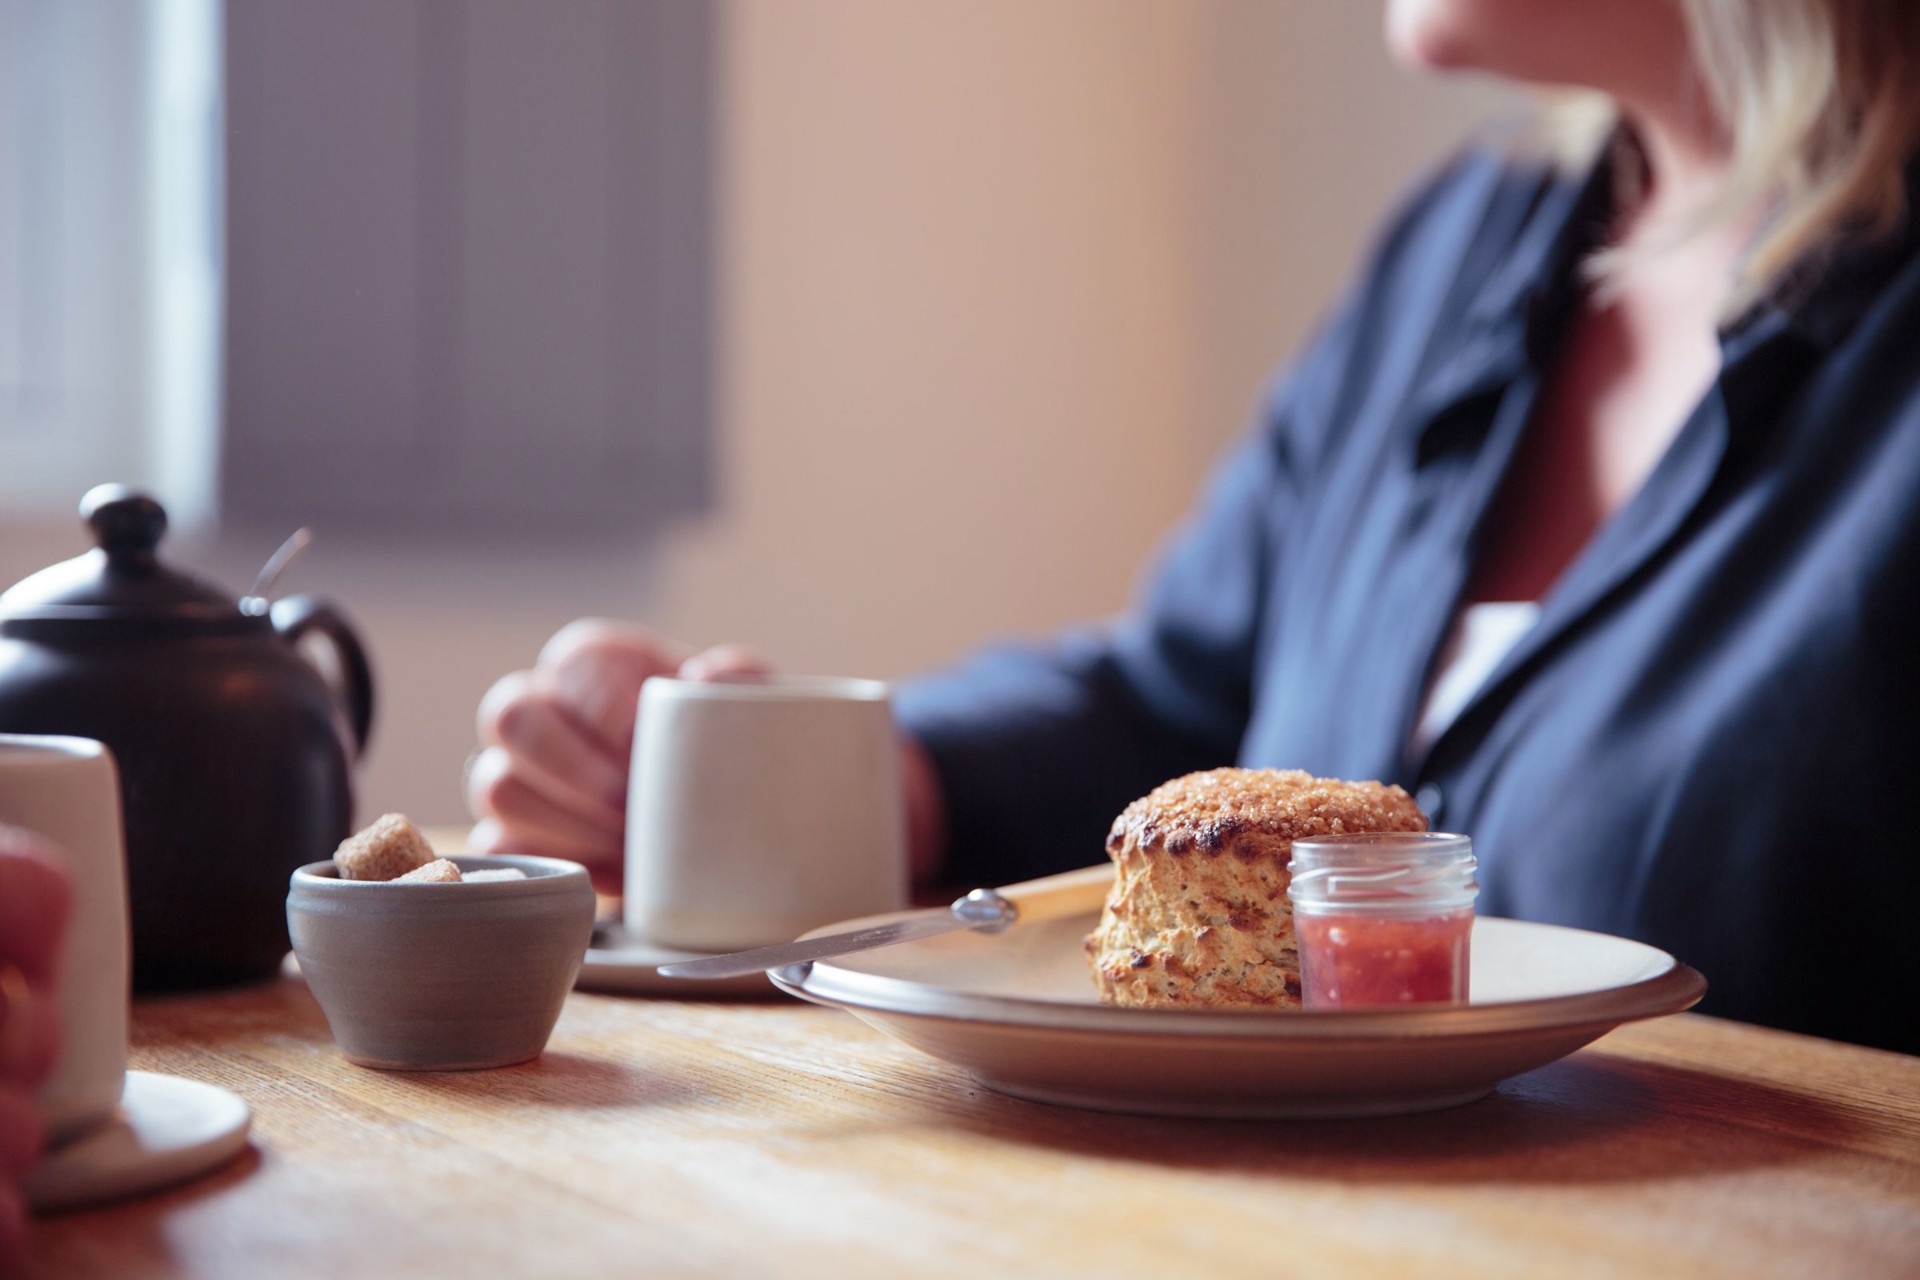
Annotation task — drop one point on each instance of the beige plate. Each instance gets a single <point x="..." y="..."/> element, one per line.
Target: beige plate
<point x="1018" y="1012"/>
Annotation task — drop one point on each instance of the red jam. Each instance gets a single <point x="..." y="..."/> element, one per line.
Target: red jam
<point x="1354" y="960"/>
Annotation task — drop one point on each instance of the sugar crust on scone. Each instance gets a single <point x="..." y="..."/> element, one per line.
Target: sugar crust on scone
<point x="1199" y="915"/>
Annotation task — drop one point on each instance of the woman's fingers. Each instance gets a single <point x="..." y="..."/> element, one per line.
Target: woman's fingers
<point x="29" y="1028"/>
<point x="34" y="900"/>
<point x="13" y="1222"/>
<point x="21" y="1135"/>
<point x="552" y="775"/>
<point x="725" y="662"/>
<point x="530" y="821"/>
<point x="595" y="668"/>
<point x="552" y="753"/>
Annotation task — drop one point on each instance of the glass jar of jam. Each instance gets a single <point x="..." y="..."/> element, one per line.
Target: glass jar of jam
<point x="1383" y="918"/>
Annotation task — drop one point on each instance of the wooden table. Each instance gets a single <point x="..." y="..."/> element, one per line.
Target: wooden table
<point x="667" y="1138"/>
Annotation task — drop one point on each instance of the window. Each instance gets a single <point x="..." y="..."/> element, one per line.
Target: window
<point x="108" y="251"/>
<point x="468" y="264"/>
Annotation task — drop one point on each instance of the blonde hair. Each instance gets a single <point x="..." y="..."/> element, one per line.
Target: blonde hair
<point x="1820" y="100"/>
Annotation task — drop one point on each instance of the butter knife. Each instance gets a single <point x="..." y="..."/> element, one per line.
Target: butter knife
<point x="982" y="910"/>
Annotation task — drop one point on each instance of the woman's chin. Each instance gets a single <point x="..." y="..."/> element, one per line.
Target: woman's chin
<point x="1419" y="39"/>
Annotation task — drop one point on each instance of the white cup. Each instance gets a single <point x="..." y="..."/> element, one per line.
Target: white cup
<point x="760" y="809"/>
<point x="68" y="791"/>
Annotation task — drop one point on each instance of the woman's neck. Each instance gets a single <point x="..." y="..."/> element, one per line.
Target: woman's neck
<point x="1683" y="146"/>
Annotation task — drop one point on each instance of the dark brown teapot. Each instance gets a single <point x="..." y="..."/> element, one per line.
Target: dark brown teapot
<point x="235" y="755"/>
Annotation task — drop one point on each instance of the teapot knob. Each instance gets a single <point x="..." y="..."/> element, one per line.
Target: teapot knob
<point x="126" y="523"/>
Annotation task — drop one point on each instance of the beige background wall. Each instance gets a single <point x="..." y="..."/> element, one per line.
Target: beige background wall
<point x="1000" y="279"/>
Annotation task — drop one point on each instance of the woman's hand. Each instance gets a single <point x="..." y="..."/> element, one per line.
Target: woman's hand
<point x="551" y="777"/>
<point x="33" y="918"/>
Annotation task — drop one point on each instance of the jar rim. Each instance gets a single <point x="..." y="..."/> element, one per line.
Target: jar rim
<point x="1383" y="870"/>
<point x="1370" y="847"/>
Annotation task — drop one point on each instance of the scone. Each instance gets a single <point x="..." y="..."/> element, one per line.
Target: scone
<point x="1199" y="915"/>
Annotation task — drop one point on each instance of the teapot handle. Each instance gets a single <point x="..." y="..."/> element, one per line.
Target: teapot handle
<point x="294" y="616"/>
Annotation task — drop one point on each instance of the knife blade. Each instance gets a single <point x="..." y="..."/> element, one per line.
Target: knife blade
<point x="982" y="910"/>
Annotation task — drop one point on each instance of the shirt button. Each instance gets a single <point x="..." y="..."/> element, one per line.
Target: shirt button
<point x="1431" y="800"/>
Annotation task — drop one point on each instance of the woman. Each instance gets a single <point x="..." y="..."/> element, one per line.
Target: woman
<point x="33" y="912"/>
<point x="1590" y="518"/>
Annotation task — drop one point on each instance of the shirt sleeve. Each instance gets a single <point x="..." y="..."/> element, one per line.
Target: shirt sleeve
<point x="1038" y="746"/>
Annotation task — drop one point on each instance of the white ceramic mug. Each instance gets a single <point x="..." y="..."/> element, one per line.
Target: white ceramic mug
<point x="760" y="809"/>
<point x="67" y="791"/>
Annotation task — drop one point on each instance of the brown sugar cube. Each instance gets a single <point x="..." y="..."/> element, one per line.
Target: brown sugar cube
<point x="388" y="849"/>
<point x="439" y="871"/>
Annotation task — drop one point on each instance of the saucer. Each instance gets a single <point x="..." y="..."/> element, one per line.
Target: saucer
<point x="619" y="964"/>
<point x="167" y="1130"/>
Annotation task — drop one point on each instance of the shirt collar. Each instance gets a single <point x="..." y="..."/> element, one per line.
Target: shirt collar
<point x="1517" y="314"/>
<point x="1540" y="275"/>
<point x="1512" y="318"/>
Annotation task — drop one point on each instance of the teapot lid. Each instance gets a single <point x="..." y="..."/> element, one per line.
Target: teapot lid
<point x="122" y="579"/>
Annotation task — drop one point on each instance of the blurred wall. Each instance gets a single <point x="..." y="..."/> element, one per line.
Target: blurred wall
<point x="961" y="345"/>
<point x="1000" y="278"/>
<point x="1003" y="278"/>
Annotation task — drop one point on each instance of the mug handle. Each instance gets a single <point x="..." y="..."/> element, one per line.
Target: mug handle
<point x="295" y="616"/>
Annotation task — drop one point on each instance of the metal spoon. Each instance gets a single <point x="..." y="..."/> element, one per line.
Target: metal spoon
<point x="256" y="599"/>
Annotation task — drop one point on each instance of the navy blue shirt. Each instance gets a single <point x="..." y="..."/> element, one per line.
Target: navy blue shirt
<point x="1711" y="739"/>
